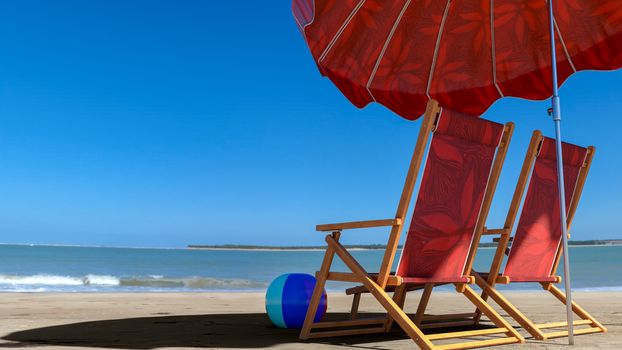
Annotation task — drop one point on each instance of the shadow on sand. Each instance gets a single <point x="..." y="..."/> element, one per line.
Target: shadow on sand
<point x="211" y="331"/>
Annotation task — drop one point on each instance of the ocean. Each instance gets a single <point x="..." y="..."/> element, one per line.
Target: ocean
<point x="38" y="268"/>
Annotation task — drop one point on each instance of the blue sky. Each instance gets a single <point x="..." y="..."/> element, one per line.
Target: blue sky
<point x="163" y="123"/>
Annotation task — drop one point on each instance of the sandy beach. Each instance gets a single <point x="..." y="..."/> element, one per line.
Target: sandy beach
<point x="238" y="321"/>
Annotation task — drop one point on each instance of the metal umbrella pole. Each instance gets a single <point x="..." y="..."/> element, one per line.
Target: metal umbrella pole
<point x="557" y="119"/>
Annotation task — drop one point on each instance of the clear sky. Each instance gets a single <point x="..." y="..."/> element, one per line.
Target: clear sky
<point x="164" y="123"/>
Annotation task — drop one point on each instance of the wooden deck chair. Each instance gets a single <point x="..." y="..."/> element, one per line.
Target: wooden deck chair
<point x="536" y="247"/>
<point x="461" y="171"/>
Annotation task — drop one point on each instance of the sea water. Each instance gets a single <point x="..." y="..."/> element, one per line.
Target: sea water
<point x="35" y="268"/>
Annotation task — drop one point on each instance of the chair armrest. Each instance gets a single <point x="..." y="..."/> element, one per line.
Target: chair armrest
<point x="498" y="231"/>
<point x="496" y="240"/>
<point x="358" y="224"/>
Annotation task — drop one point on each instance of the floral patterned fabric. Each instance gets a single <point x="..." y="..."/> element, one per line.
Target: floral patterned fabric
<point x="465" y="54"/>
<point x="450" y="197"/>
<point x="539" y="230"/>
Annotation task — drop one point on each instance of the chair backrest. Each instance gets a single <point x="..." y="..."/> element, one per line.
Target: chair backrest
<point x="454" y="198"/>
<point x="536" y="245"/>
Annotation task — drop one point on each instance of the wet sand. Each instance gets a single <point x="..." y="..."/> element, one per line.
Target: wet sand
<point x="238" y="321"/>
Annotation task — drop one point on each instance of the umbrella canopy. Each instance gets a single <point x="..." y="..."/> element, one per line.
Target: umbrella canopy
<point x="465" y="54"/>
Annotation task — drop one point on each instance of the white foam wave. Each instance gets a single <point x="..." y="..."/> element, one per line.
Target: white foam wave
<point x="101" y="280"/>
<point x="43" y="282"/>
<point x="49" y="280"/>
<point x="56" y="280"/>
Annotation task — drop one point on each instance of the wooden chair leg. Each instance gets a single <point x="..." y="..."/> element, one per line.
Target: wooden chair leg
<point x="355" y="306"/>
<point x="478" y="313"/>
<point x="423" y="303"/>
<point x="317" y="293"/>
<point x="394" y="311"/>
<point x="510" y="309"/>
<point x="561" y="296"/>
<point x="491" y="313"/>
<point x="399" y="297"/>
<point x="394" y="307"/>
<point x="537" y="330"/>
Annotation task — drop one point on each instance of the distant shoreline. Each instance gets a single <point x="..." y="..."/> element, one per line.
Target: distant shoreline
<point x="241" y="247"/>
<point x="279" y="248"/>
<point x="586" y="243"/>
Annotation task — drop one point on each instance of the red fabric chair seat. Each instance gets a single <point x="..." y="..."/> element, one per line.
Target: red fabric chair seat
<point x="539" y="232"/>
<point x="452" y="189"/>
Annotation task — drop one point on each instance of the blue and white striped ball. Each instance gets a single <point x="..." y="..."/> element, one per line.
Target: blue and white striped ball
<point x="287" y="300"/>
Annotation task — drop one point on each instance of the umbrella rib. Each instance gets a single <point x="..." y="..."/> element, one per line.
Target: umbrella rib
<point x="493" y="46"/>
<point x="341" y="29"/>
<point x="385" y="46"/>
<point x="561" y="40"/>
<point x="438" y="42"/>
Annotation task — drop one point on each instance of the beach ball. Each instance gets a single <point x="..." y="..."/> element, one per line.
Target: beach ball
<point x="287" y="300"/>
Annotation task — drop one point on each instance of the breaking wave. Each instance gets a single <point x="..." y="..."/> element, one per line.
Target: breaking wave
<point x="42" y="282"/>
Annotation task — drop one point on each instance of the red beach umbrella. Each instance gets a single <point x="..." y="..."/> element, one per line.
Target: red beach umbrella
<point x="465" y="54"/>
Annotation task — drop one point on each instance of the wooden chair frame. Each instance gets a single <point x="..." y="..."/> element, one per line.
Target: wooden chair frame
<point x="376" y="283"/>
<point x="487" y="283"/>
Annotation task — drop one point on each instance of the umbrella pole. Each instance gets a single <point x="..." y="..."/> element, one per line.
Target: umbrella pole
<point x="562" y="207"/>
<point x="557" y="119"/>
